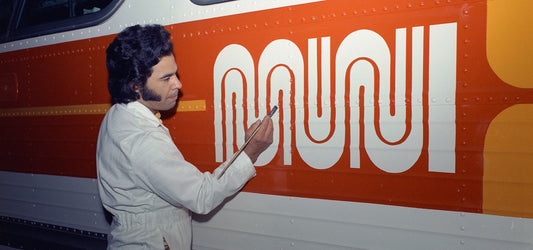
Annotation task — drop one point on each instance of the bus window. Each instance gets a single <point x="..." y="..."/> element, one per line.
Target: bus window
<point x="43" y="11"/>
<point x="208" y="2"/>
<point x="40" y="17"/>
<point x="37" y="12"/>
<point x="6" y="8"/>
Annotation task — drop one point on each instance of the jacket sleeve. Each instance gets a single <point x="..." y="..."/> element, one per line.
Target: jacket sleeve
<point x="160" y="167"/>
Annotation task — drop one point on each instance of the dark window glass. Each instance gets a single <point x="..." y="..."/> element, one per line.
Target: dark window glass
<point x="88" y="7"/>
<point x="208" y="2"/>
<point x="37" y="12"/>
<point x="30" y="18"/>
<point x="6" y="10"/>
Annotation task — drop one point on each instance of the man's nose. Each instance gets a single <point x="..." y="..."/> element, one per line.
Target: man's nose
<point x="177" y="82"/>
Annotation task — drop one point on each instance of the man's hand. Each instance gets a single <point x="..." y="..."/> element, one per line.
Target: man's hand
<point x="261" y="140"/>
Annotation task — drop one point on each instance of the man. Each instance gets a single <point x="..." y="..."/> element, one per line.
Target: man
<point x="143" y="179"/>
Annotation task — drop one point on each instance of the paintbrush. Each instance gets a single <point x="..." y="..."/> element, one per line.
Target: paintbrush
<point x="246" y="143"/>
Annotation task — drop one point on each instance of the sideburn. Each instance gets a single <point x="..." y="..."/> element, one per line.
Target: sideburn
<point x="146" y="93"/>
<point x="149" y="95"/>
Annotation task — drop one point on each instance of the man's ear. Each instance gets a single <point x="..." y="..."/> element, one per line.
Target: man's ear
<point x="136" y="87"/>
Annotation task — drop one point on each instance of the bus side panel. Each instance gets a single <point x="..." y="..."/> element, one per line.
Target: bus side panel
<point x="271" y="61"/>
<point x="394" y="131"/>
<point x="68" y="202"/>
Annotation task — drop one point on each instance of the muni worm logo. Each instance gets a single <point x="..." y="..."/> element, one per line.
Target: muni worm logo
<point x="362" y="97"/>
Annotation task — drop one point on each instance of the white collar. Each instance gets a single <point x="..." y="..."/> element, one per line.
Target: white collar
<point x="144" y="112"/>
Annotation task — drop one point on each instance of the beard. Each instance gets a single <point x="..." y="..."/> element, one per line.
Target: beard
<point x="149" y="95"/>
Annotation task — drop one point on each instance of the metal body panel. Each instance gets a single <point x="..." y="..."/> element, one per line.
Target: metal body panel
<point x="64" y="201"/>
<point x="401" y="125"/>
<point x="281" y="222"/>
<point x="271" y="221"/>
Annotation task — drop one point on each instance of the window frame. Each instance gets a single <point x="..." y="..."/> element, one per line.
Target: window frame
<point x="209" y="2"/>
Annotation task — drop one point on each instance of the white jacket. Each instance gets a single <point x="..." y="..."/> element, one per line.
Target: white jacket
<point x="147" y="185"/>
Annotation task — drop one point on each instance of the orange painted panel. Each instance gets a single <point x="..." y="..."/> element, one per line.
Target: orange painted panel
<point x="368" y="183"/>
<point x="509" y="36"/>
<point x="508" y="152"/>
<point x="508" y="163"/>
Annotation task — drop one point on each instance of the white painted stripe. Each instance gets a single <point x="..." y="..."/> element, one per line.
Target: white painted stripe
<point x="442" y="88"/>
<point x="276" y="222"/>
<point x="65" y="201"/>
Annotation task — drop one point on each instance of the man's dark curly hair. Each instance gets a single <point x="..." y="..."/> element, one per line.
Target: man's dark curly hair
<point x="130" y="58"/>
